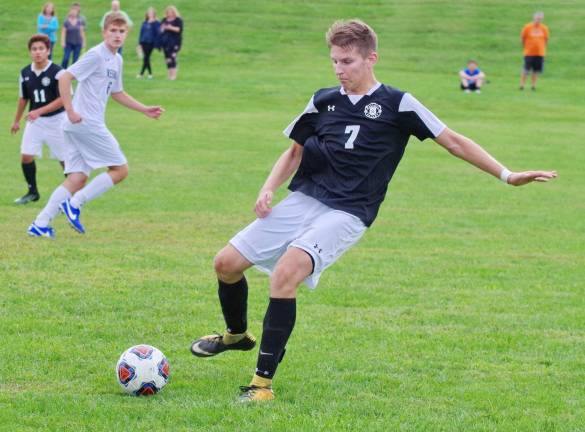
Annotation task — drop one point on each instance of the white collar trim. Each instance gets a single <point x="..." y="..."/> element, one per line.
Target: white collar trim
<point x="38" y="72"/>
<point x="369" y="93"/>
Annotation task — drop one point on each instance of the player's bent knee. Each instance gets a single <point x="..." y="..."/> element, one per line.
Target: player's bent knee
<point x="118" y="173"/>
<point x="75" y="181"/>
<point x="220" y="264"/>
<point x="284" y="281"/>
<point x="226" y="266"/>
<point x="26" y="159"/>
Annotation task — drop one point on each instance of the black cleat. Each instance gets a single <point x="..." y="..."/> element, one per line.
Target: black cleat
<point x="29" y="197"/>
<point x="208" y="346"/>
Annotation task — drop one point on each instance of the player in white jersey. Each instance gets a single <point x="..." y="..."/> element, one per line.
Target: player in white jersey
<point x="91" y="144"/>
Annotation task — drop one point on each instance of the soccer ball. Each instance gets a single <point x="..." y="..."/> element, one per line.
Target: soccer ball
<point x="142" y="370"/>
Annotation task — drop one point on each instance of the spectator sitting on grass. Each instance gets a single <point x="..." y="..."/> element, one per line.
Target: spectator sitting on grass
<point x="472" y="78"/>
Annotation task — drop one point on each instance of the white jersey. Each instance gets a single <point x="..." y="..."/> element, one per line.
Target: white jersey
<point x="99" y="73"/>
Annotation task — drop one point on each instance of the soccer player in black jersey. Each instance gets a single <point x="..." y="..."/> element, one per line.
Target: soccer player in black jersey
<point x="346" y="146"/>
<point x="38" y="86"/>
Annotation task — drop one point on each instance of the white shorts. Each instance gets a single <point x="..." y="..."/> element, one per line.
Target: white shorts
<point x="90" y="147"/>
<point x="48" y="130"/>
<point x="302" y="222"/>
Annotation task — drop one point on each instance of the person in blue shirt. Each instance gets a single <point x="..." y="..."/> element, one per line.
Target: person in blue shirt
<point x="48" y="24"/>
<point x="149" y="37"/>
<point x="472" y="78"/>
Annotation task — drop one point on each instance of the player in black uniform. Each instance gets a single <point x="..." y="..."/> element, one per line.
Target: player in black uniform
<point x="346" y="146"/>
<point x="38" y="86"/>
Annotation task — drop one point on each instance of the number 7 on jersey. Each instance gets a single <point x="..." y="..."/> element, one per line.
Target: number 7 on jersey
<point x="353" y="130"/>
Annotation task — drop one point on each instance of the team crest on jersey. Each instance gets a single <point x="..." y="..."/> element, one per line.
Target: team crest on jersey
<point x="373" y="110"/>
<point x="112" y="73"/>
<point x="46" y="81"/>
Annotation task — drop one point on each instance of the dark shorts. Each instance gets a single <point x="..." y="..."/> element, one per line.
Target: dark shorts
<point x="533" y="63"/>
<point x="470" y="86"/>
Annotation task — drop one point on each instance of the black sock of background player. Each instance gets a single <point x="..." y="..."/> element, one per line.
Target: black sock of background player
<point x="30" y="175"/>
<point x="234" y="305"/>
<point x="278" y="325"/>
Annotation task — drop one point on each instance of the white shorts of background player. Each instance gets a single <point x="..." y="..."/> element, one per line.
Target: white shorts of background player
<point x="91" y="146"/>
<point x="47" y="130"/>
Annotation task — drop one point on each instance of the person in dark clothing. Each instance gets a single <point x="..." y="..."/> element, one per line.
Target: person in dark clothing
<point x="72" y="36"/>
<point x="345" y="148"/>
<point x="171" y="28"/>
<point x="39" y="89"/>
<point x="149" y="35"/>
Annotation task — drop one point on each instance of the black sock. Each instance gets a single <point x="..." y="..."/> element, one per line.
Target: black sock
<point x="234" y="305"/>
<point x="30" y="175"/>
<point x="278" y="325"/>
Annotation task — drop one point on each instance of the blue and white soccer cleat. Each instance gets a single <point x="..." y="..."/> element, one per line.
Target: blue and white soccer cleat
<point x="36" y="231"/>
<point x="72" y="214"/>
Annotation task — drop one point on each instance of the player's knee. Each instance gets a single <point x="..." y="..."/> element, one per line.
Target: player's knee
<point x="124" y="171"/>
<point x="118" y="173"/>
<point x="284" y="281"/>
<point x="224" y="265"/>
<point x="26" y="159"/>
<point x="75" y="181"/>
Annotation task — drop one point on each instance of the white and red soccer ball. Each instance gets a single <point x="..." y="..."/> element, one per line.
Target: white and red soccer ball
<point x="142" y="370"/>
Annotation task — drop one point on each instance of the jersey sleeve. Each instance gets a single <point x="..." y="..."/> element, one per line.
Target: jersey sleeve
<point x="303" y="126"/>
<point x="85" y="66"/>
<point x="418" y="120"/>
<point x="22" y="90"/>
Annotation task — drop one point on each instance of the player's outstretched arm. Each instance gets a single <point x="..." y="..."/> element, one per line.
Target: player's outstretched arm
<point x="285" y="166"/>
<point x="20" y="106"/>
<point x="466" y="149"/>
<point x="128" y="101"/>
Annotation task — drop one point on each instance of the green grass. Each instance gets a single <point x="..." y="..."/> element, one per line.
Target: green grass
<point x="461" y="309"/>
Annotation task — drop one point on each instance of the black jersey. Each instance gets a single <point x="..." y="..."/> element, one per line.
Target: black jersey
<point x="41" y="89"/>
<point x="352" y="150"/>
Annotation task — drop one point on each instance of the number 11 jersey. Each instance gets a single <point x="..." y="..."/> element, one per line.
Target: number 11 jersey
<point x="40" y="88"/>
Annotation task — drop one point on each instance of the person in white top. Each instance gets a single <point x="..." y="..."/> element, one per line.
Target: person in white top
<point x="90" y="144"/>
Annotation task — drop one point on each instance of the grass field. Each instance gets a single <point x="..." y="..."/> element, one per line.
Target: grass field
<point x="461" y="308"/>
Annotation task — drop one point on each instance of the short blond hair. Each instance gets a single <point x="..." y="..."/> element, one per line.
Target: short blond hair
<point x="352" y="33"/>
<point x="115" y="18"/>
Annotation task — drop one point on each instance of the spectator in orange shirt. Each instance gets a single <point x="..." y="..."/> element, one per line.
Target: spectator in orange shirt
<point x="534" y="39"/>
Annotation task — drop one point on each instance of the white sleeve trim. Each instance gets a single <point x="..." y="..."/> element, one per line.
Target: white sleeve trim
<point x="310" y="108"/>
<point x="20" y="81"/>
<point x="410" y="103"/>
